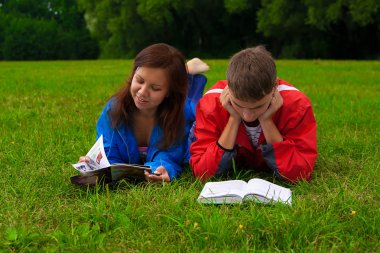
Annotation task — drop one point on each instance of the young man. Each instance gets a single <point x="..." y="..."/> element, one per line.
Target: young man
<point x="255" y="120"/>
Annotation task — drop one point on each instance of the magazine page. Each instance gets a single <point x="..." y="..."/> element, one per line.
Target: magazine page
<point x="82" y="167"/>
<point x="97" y="156"/>
<point x="269" y="191"/>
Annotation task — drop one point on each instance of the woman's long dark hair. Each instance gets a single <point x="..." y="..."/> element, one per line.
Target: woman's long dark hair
<point x="170" y="113"/>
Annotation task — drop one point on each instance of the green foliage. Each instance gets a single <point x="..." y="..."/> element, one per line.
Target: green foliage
<point x="303" y="29"/>
<point x="115" y="25"/>
<point x="236" y="6"/>
<point x="320" y="29"/>
<point x="196" y="27"/>
<point x="44" y="30"/>
<point x="23" y="39"/>
<point x="48" y="118"/>
<point x="323" y="14"/>
<point x="156" y="12"/>
<point x="58" y="29"/>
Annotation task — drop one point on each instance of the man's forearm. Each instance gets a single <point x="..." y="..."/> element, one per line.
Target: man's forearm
<point x="271" y="132"/>
<point x="228" y="137"/>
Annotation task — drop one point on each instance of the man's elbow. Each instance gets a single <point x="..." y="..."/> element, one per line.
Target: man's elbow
<point x="199" y="172"/>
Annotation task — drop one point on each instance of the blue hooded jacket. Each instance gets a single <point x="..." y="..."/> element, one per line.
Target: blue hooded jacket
<point x="120" y="144"/>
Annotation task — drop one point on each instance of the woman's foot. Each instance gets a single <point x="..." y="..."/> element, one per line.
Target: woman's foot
<point x="196" y="66"/>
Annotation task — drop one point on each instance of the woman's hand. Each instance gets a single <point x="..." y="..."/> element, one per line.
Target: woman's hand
<point x="160" y="175"/>
<point x="84" y="159"/>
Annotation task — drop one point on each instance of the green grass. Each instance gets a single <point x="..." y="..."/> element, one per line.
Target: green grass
<point x="47" y="119"/>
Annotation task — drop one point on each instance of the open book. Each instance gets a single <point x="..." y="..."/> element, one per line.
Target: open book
<point x="237" y="191"/>
<point x="98" y="169"/>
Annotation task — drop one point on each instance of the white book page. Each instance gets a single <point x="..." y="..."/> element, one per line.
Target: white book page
<point x="224" y="188"/>
<point x="269" y="190"/>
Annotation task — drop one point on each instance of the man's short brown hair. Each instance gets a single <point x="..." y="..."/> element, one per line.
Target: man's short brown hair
<point x="251" y="73"/>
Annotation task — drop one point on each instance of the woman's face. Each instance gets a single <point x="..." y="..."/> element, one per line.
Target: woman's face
<point x="149" y="88"/>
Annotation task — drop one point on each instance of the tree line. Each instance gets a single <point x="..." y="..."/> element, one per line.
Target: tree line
<point x="82" y="29"/>
<point x="44" y="30"/>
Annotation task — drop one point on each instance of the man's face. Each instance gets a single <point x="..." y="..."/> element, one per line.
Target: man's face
<point x="250" y="111"/>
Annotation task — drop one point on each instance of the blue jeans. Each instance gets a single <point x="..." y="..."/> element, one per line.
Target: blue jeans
<point x="197" y="85"/>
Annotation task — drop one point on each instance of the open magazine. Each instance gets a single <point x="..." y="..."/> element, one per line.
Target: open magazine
<point x="98" y="169"/>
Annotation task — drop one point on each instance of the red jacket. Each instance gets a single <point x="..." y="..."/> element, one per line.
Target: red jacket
<point x="292" y="159"/>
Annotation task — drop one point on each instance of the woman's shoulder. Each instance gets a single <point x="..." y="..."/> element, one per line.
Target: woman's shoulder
<point x="110" y="103"/>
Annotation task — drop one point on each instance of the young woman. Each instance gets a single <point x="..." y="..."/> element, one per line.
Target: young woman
<point x="148" y="120"/>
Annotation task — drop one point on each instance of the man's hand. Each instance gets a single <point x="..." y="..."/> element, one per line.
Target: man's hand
<point x="228" y="137"/>
<point x="271" y="132"/>
<point x="160" y="175"/>
<point x="274" y="105"/>
<point x="226" y="103"/>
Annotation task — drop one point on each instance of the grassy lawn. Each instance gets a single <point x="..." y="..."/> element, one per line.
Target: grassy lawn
<point x="47" y="120"/>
